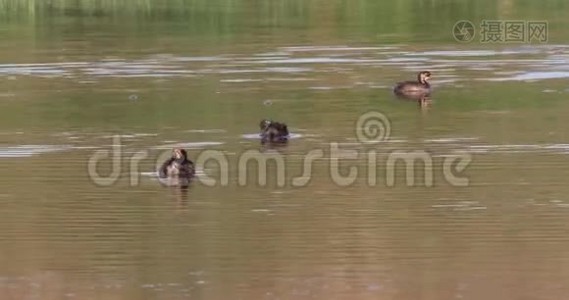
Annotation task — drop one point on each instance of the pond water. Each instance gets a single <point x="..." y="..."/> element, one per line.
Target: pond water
<point x="93" y="96"/>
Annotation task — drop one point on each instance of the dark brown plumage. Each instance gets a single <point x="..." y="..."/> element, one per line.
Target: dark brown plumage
<point x="414" y="89"/>
<point x="273" y="132"/>
<point x="178" y="166"/>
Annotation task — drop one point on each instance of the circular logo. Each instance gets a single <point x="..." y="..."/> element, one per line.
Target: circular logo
<point x="463" y="31"/>
<point x="373" y="127"/>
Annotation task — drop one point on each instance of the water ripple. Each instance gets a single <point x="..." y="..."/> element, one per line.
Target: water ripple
<point x="30" y="150"/>
<point x="523" y="63"/>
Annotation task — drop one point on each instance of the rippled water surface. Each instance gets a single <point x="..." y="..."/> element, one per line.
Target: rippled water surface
<point x="88" y="92"/>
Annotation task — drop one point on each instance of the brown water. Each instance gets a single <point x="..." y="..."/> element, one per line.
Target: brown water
<point x="202" y="76"/>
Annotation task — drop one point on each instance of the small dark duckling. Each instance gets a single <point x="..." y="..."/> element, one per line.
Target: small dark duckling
<point x="414" y="89"/>
<point x="273" y="132"/>
<point x="177" y="166"/>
